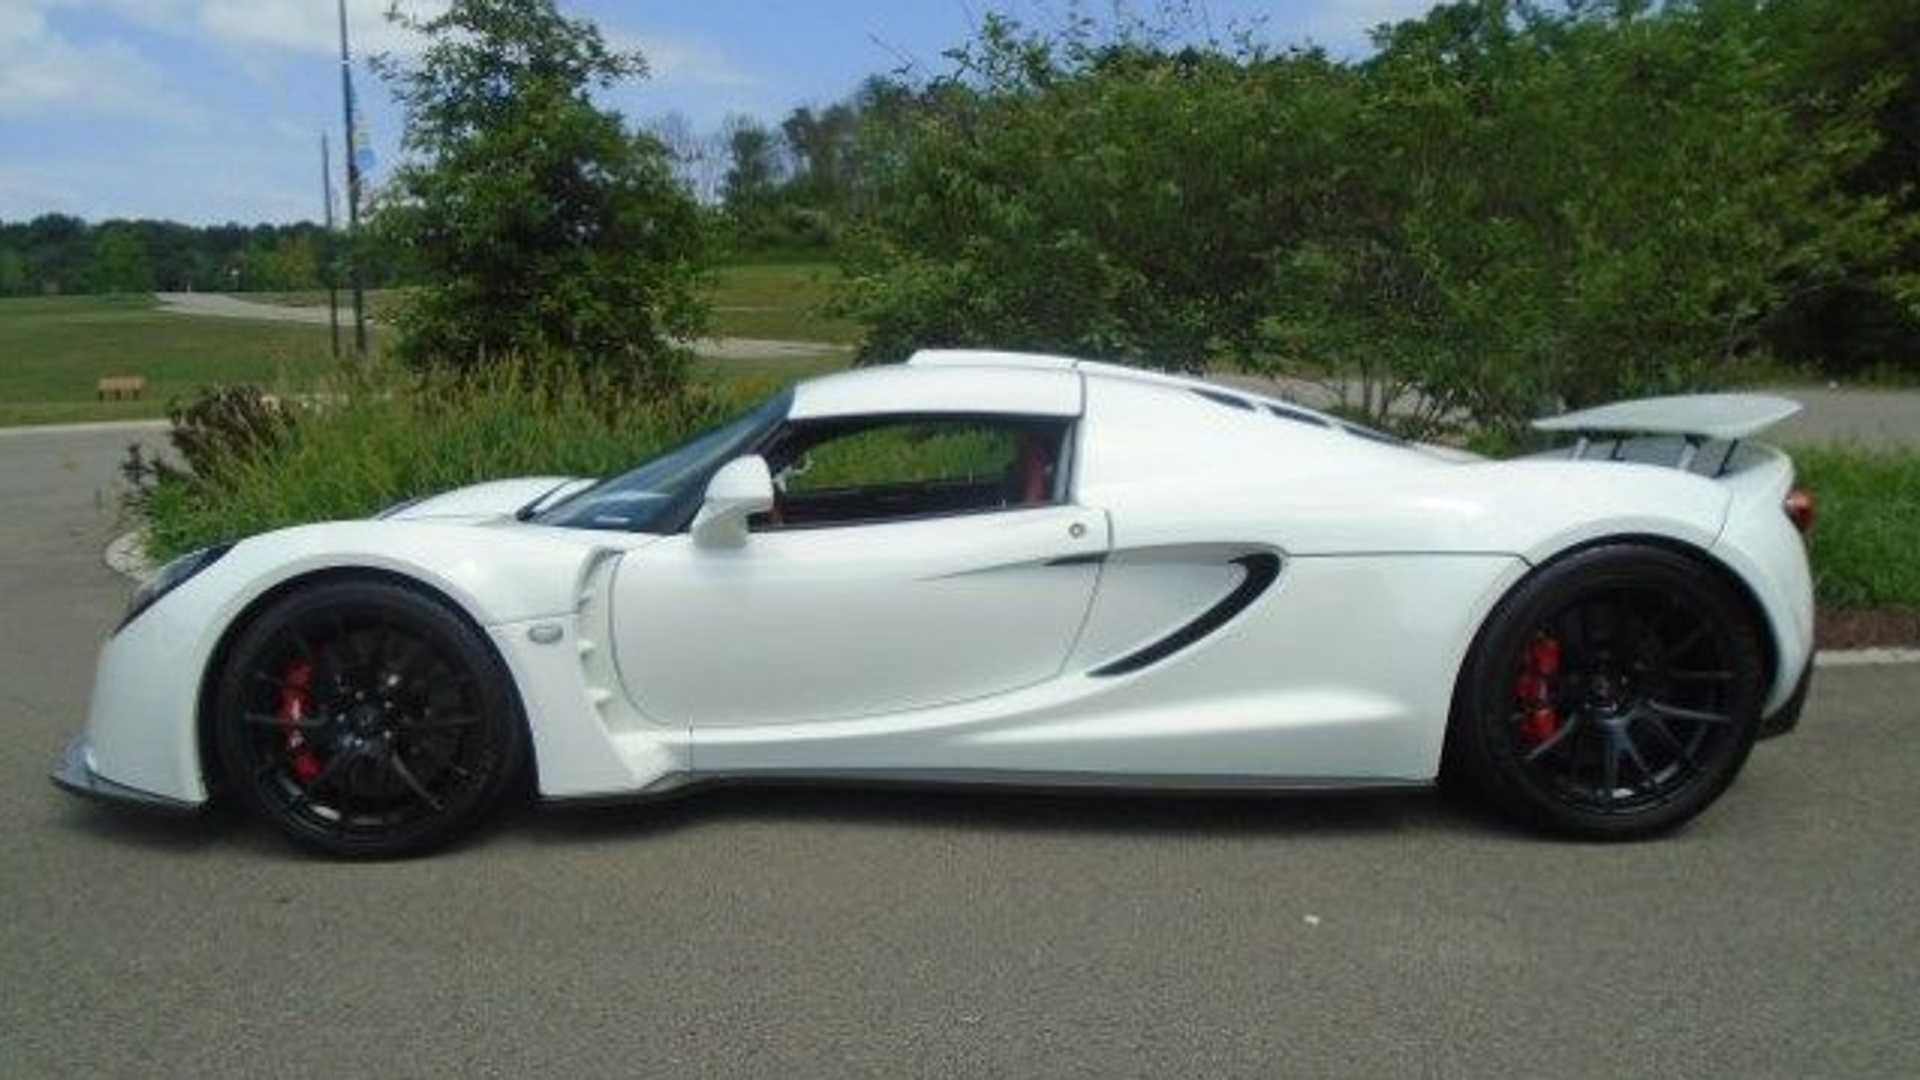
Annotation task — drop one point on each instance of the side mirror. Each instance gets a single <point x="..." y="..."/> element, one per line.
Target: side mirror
<point x="742" y="488"/>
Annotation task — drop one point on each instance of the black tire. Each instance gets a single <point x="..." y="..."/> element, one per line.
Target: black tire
<point x="364" y="718"/>
<point x="1652" y="708"/>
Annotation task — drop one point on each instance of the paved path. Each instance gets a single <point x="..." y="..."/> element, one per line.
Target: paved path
<point x="794" y="934"/>
<point x="219" y="305"/>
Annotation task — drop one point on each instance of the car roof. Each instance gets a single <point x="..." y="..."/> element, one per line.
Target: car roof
<point x="987" y="382"/>
<point x="913" y="390"/>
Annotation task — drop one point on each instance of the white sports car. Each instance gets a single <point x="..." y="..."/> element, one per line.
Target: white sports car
<point x="995" y="568"/>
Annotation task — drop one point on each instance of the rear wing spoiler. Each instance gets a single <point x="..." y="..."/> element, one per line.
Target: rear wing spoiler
<point x="1695" y="418"/>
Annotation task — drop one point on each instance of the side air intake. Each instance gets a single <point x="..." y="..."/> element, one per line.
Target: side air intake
<point x="1261" y="571"/>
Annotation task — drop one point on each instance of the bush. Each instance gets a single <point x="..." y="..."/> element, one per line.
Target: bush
<point x="376" y="437"/>
<point x="1507" y="210"/>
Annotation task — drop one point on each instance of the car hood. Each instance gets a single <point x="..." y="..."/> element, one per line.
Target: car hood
<point x="493" y="499"/>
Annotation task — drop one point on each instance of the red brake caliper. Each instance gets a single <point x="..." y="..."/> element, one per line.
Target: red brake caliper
<point x="1534" y="690"/>
<point x="295" y="700"/>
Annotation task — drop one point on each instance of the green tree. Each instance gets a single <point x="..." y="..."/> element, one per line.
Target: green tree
<point x="537" y="220"/>
<point x="1840" y="50"/>
<point x="287" y="265"/>
<point x="1510" y="209"/>
<point x="120" y="260"/>
<point x="58" y="252"/>
<point x="753" y="167"/>
<point x="1106" y="198"/>
<point x="821" y="143"/>
<point x="1562" y="209"/>
<point x="13" y="273"/>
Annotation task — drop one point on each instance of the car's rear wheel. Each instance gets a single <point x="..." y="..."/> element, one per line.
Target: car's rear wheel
<point x="1614" y="694"/>
<point x="363" y="718"/>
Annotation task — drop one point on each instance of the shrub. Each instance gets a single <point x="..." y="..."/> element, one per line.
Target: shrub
<point x="221" y="424"/>
<point x="1507" y="210"/>
<point x="379" y="436"/>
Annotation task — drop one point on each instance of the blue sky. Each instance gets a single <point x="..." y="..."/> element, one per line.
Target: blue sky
<point x="211" y="110"/>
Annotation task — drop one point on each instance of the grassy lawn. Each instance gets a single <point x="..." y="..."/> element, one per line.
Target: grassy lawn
<point x="785" y="369"/>
<point x="780" y="301"/>
<point x="54" y="349"/>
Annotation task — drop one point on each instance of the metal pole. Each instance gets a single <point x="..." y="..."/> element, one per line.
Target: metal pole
<point x="353" y="194"/>
<point x="329" y="254"/>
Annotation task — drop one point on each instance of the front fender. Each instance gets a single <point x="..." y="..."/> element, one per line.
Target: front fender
<point x="143" y="722"/>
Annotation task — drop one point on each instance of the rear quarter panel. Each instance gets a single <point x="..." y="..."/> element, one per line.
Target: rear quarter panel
<point x="1172" y="467"/>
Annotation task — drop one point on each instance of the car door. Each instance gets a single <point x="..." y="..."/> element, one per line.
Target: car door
<point x="880" y="583"/>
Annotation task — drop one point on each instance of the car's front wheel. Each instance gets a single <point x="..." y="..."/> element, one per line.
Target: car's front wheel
<point x="364" y="718"/>
<point x="1615" y="693"/>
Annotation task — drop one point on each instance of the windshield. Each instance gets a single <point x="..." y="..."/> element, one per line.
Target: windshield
<point x="662" y="495"/>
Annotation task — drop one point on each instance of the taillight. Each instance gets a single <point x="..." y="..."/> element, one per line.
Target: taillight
<point x="1801" y="508"/>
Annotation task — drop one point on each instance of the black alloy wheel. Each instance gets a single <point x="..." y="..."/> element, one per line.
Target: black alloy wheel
<point x="365" y="718"/>
<point x="1614" y="694"/>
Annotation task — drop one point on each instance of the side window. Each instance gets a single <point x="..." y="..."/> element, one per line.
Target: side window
<point x="870" y="470"/>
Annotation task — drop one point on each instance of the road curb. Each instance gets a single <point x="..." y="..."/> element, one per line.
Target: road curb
<point x="1830" y="658"/>
<point x="128" y="556"/>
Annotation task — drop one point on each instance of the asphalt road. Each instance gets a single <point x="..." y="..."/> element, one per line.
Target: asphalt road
<point x="835" y="933"/>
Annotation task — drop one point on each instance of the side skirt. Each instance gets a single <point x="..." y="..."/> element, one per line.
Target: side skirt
<point x="679" y="785"/>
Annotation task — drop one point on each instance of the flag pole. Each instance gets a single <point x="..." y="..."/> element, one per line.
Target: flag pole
<point x="329" y="254"/>
<point x="353" y="193"/>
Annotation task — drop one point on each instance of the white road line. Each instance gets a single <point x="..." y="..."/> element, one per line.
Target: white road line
<point x="83" y="429"/>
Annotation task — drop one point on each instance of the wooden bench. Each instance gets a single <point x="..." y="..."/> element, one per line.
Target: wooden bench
<point x="120" y="386"/>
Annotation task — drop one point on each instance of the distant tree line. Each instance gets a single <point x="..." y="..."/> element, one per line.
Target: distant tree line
<point x="792" y="188"/>
<point x="57" y="254"/>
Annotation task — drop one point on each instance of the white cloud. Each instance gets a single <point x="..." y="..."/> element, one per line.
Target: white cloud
<point x="254" y="29"/>
<point x="42" y="71"/>
<point x="673" y="61"/>
<point x="247" y="26"/>
<point x="309" y="27"/>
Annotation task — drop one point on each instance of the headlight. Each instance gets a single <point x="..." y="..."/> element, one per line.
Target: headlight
<point x="171" y="577"/>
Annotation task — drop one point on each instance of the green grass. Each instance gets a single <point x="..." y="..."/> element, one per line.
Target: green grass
<point x="1864" y="541"/>
<point x="780" y="301"/>
<point x="785" y="369"/>
<point x="922" y="453"/>
<point x="53" y="350"/>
